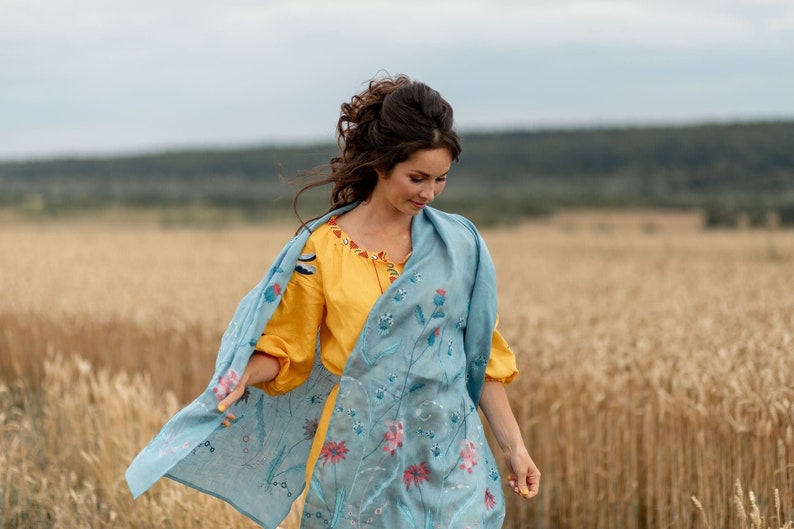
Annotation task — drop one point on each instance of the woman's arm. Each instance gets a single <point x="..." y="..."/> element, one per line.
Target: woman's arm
<point x="524" y="476"/>
<point x="284" y="353"/>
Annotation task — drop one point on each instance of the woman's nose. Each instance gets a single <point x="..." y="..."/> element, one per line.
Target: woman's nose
<point x="427" y="192"/>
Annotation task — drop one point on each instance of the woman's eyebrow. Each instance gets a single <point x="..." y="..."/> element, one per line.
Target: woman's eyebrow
<point x="422" y="173"/>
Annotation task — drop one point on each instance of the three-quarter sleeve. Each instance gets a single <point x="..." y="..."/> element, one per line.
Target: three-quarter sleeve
<point x="502" y="363"/>
<point x="291" y="334"/>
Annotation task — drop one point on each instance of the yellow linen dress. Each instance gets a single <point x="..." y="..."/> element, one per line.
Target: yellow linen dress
<point x="333" y="290"/>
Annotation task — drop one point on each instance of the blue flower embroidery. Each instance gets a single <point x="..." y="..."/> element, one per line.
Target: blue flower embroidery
<point x="272" y="292"/>
<point x="384" y="324"/>
<point x="439" y="297"/>
<point x="358" y="428"/>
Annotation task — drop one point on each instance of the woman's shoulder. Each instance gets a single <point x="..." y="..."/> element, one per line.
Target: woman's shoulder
<point x="313" y="252"/>
<point x="318" y="240"/>
<point x="453" y="224"/>
<point x="326" y="239"/>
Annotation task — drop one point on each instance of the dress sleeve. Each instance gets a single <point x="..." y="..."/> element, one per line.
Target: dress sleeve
<point x="502" y="363"/>
<point x="291" y="334"/>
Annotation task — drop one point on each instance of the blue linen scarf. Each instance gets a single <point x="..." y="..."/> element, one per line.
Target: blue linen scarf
<point x="404" y="447"/>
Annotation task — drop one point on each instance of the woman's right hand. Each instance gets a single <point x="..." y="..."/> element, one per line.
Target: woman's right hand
<point x="261" y="368"/>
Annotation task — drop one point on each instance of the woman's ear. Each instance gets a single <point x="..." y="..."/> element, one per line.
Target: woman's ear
<point x="382" y="173"/>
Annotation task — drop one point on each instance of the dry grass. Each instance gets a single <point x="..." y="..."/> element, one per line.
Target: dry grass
<point x="656" y="367"/>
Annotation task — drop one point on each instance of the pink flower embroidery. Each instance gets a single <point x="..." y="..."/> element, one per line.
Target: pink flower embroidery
<point x="415" y="475"/>
<point x="490" y="500"/>
<point x="394" y="436"/>
<point x="333" y="452"/>
<point x="226" y="384"/>
<point x="469" y="455"/>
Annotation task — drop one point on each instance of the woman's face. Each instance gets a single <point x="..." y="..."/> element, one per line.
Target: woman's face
<point x="414" y="183"/>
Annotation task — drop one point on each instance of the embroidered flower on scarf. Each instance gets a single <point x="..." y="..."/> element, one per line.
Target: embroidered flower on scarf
<point x="416" y="277"/>
<point x="480" y="361"/>
<point x="309" y="429"/>
<point x="226" y="383"/>
<point x="469" y="455"/>
<point x="394" y="436"/>
<point x="490" y="500"/>
<point x="358" y="428"/>
<point x="400" y="295"/>
<point x="431" y="339"/>
<point x="333" y="452"/>
<point x="415" y="475"/>
<point x="272" y="292"/>
<point x="430" y="434"/>
<point x="384" y="324"/>
<point x="440" y="297"/>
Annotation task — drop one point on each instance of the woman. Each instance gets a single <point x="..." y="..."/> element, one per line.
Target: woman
<point x="376" y="341"/>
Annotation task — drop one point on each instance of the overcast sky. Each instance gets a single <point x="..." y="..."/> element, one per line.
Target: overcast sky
<point x="111" y="76"/>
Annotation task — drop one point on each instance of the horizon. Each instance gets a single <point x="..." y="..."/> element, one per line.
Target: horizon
<point x="310" y="142"/>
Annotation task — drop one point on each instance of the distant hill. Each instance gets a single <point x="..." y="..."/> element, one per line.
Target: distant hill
<point x="721" y="168"/>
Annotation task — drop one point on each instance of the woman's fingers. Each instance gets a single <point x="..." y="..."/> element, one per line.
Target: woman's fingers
<point x="230" y="399"/>
<point x="224" y="405"/>
<point x="520" y="486"/>
<point x="228" y="421"/>
<point x="524" y="477"/>
<point x="233" y="396"/>
<point x="533" y="482"/>
<point x="261" y="367"/>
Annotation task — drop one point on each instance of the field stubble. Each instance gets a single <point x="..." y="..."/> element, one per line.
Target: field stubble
<point x="656" y="366"/>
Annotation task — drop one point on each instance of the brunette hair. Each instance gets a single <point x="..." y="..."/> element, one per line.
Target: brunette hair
<point x="387" y="123"/>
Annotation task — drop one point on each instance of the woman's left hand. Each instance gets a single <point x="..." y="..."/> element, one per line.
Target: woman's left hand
<point x="524" y="477"/>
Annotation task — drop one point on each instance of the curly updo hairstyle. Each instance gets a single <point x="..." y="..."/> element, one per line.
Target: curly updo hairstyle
<point x="393" y="118"/>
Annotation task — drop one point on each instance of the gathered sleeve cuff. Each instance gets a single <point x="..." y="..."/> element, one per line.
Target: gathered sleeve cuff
<point x="502" y="363"/>
<point x="291" y="334"/>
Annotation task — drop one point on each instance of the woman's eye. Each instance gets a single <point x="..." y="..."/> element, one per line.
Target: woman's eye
<point x="416" y="179"/>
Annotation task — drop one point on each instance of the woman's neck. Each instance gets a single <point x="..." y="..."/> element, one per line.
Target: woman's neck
<point x="375" y="218"/>
<point x="376" y="229"/>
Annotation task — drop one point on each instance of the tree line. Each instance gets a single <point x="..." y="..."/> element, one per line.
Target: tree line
<point x="727" y="170"/>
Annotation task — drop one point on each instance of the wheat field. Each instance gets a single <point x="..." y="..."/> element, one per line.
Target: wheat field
<point x="656" y="359"/>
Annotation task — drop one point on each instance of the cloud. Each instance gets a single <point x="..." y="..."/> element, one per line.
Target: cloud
<point x="113" y="75"/>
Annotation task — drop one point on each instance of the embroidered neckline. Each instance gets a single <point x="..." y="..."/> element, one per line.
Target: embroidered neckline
<point x="361" y="252"/>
